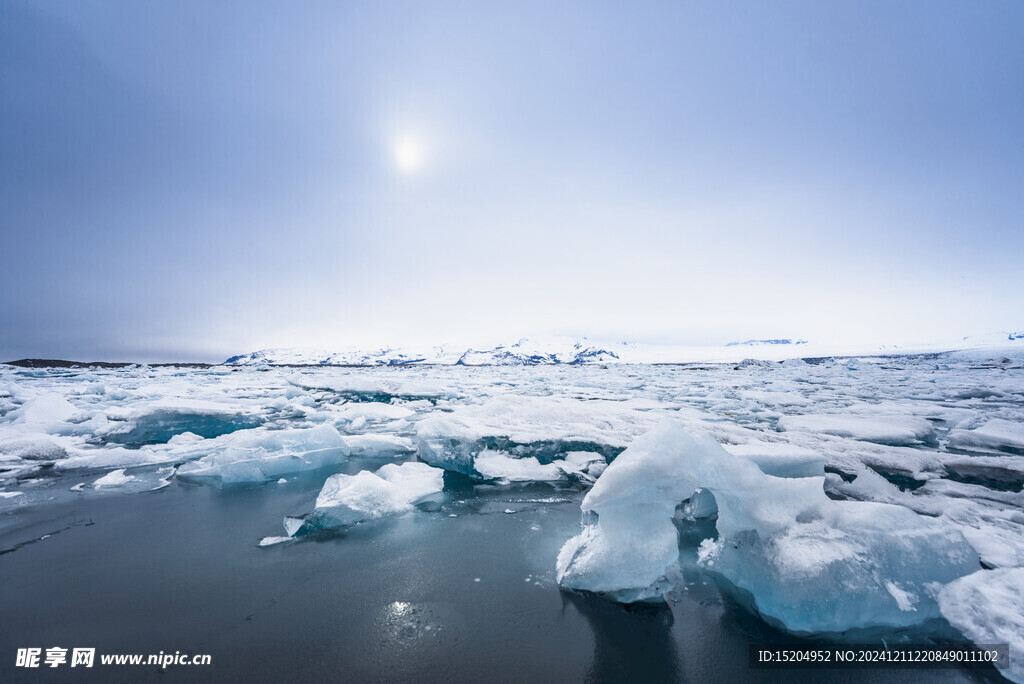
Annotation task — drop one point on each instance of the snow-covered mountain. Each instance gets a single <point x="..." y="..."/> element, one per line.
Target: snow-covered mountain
<point x="530" y="351"/>
<point x="758" y="343"/>
<point x="526" y="352"/>
<point x="385" y="356"/>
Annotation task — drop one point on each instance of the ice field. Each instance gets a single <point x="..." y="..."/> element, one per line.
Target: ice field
<point x="866" y="494"/>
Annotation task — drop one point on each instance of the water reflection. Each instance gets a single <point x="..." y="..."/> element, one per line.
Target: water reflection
<point x="403" y="623"/>
<point x="631" y="643"/>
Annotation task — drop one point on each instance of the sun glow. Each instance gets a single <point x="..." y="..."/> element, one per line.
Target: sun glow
<point x="408" y="154"/>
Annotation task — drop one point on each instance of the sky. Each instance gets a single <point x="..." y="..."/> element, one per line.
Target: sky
<point x="195" y="179"/>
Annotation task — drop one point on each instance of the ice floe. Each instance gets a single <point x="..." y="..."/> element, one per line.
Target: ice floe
<point x="898" y="431"/>
<point x="114" y="478"/>
<point x="266" y="455"/>
<point x="365" y="388"/>
<point x="997" y="435"/>
<point x="378" y="446"/>
<point x="543" y="429"/>
<point x="156" y="422"/>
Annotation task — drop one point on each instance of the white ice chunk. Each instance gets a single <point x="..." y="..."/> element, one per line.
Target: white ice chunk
<point x="184" y="438"/>
<point x="114" y="478"/>
<point x="349" y="499"/>
<point x="373" y="445"/>
<point x="373" y="412"/>
<point x="895" y="430"/>
<point x="413" y="481"/>
<point x="29" y="446"/>
<point x="265" y="455"/>
<point x="810" y="563"/>
<point x="271" y="541"/>
<point x="995" y="435"/>
<point x="988" y="607"/>
<point x="584" y="465"/>
<point x="44" y="412"/>
<point x="365" y="388"/>
<point x="498" y="465"/>
<point x="111" y="457"/>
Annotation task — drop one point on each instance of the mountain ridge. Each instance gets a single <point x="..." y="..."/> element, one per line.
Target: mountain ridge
<point x="528" y="351"/>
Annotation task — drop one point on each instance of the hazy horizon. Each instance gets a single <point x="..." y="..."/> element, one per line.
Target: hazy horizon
<point x="188" y="181"/>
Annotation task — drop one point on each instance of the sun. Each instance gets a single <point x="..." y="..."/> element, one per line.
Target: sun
<point x="408" y="154"/>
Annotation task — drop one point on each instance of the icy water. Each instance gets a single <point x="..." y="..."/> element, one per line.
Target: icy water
<point x="133" y="503"/>
<point x="392" y="600"/>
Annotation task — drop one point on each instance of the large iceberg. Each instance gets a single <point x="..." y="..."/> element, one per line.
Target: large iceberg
<point x="809" y="563"/>
<point x="349" y="499"/>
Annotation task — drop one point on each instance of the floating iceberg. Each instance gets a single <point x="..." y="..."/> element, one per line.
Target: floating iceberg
<point x="988" y="607"/>
<point x="264" y="455"/>
<point x="349" y="499"/>
<point x="809" y="563"/>
<point x="114" y="478"/>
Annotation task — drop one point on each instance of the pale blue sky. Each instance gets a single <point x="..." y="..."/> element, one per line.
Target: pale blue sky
<point x="189" y="180"/>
